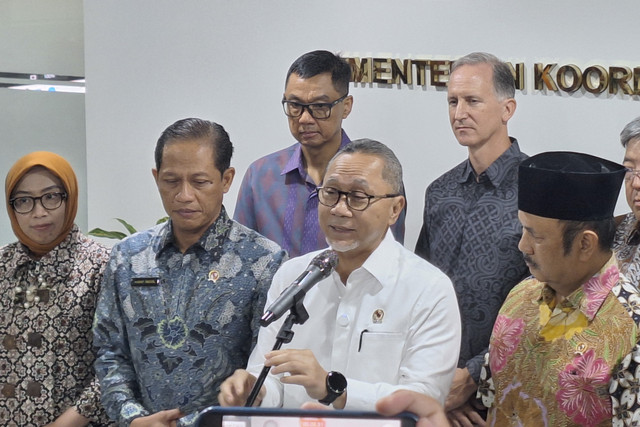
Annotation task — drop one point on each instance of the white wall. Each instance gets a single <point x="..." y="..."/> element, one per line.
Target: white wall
<point x="151" y="62"/>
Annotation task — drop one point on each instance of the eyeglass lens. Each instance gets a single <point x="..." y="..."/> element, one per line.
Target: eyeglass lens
<point x="49" y="201"/>
<point x="317" y="111"/>
<point x="355" y="200"/>
<point x="631" y="174"/>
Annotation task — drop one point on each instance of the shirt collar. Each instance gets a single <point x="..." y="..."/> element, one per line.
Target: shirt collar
<point x="633" y="239"/>
<point x="589" y="297"/>
<point x="495" y="173"/>
<point x="59" y="258"/>
<point x="295" y="162"/>
<point x="212" y="238"/>
<point x="382" y="261"/>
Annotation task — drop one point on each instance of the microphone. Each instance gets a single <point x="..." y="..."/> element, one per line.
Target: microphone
<point x="319" y="268"/>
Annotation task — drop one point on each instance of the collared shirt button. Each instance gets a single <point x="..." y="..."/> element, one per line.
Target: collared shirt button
<point x="343" y="319"/>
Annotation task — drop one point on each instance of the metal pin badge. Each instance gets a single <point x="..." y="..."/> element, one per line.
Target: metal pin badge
<point x="214" y="276"/>
<point x="377" y="315"/>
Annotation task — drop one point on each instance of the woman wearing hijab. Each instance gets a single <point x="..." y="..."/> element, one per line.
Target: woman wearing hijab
<point x="49" y="282"/>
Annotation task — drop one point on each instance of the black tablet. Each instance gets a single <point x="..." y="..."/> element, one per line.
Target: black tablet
<point x="217" y="416"/>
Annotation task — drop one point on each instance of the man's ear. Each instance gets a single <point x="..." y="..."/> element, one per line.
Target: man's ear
<point x="227" y="179"/>
<point x="154" y="172"/>
<point x="508" y="109"/>
<point x="588" y="244"/>
<point x="396" y="209"/>
<point x="348" y="104"/>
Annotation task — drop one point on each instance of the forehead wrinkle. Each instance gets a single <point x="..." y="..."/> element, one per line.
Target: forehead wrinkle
<point x="632" y="152"/>
<point x="357" y="169"/>
<point x="341" y="179"/>
<point x="309" y="98"/>
<point x="184" y="174"/>
<point x="470" y="83"/>
<point x="184" y="171"/>
<point x="179" y="163"/>
<point x="313" y="89"/>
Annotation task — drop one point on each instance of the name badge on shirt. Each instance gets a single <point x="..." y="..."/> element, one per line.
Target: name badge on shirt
<point x="145" y="281"/>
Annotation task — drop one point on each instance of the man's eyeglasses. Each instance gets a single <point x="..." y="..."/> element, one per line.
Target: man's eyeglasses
<point x="631" y="173"/>
<point x="49" y="201"/>
<point x="318" y="110"/>
<point x="356" y="200"/>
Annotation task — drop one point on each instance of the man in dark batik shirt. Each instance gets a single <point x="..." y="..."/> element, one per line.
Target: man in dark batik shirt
<point x="471" y="229"/>
<point x="180" y="303"/>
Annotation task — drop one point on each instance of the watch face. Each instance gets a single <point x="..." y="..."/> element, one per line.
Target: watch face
<point x="337" y="382"/>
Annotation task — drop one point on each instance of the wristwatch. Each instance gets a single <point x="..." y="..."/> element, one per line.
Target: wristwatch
<point x="336" y="385"/>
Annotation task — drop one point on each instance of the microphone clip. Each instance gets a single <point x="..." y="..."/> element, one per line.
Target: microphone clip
<point x="297" y="310"/>
<point x="291" y="297"/>
<point x="297" y="315"/>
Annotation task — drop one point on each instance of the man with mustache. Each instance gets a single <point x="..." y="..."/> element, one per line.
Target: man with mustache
<point x="564" y="347"/>
<point x="384" y="320"/>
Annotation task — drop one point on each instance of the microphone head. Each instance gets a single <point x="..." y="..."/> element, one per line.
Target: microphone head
<point x="326" y="261"/>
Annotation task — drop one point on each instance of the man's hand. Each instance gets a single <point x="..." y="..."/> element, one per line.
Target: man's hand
<point x="315" y="406"/>
<point x="235" y="390"/>
<point x="465" y="416"/>
<point x="303" y="369"/>
<point x="427" y="408"/>
<point x="159" y="419"/>
<point x="462" y="388"/>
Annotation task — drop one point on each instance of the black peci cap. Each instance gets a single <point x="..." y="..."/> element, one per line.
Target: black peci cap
<point x="569" y="186"/>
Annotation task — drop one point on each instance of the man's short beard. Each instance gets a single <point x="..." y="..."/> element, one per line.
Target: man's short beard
<point x="340" y="247"/>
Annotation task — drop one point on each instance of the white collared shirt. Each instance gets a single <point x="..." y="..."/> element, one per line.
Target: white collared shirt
<point x="395" y="325"/>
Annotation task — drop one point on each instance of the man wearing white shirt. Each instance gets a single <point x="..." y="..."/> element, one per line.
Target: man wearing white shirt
<point x="384" y="320"/>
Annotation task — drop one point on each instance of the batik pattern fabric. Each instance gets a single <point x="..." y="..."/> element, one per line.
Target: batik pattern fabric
<point x="471" y="232"/>
<point x="171" y="326"/>
<point x="626" y="245"/>
<point x="279" y="200"/>
<point x="46" y="352"/>
<point x="573" y="363"/>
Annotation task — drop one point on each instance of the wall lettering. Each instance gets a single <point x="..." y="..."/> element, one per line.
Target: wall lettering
<point x="545" y="77"/>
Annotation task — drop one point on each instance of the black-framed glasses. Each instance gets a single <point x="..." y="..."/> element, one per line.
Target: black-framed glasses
<point x="631" y="173"/>
<point x="318" y="110"/>
<point x="49" y="201"/>
<point x="356" y="200"/>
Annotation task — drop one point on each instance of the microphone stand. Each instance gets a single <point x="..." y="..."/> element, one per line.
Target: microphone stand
<point x="297" y="315"/>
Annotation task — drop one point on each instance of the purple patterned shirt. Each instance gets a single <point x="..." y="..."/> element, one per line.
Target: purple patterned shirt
<point x="278" y="199"/>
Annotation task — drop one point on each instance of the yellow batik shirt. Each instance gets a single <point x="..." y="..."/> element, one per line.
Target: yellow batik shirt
<point x="575" y="363"/>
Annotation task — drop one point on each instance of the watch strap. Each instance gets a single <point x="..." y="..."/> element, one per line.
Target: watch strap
<point x="336" y="385"/>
